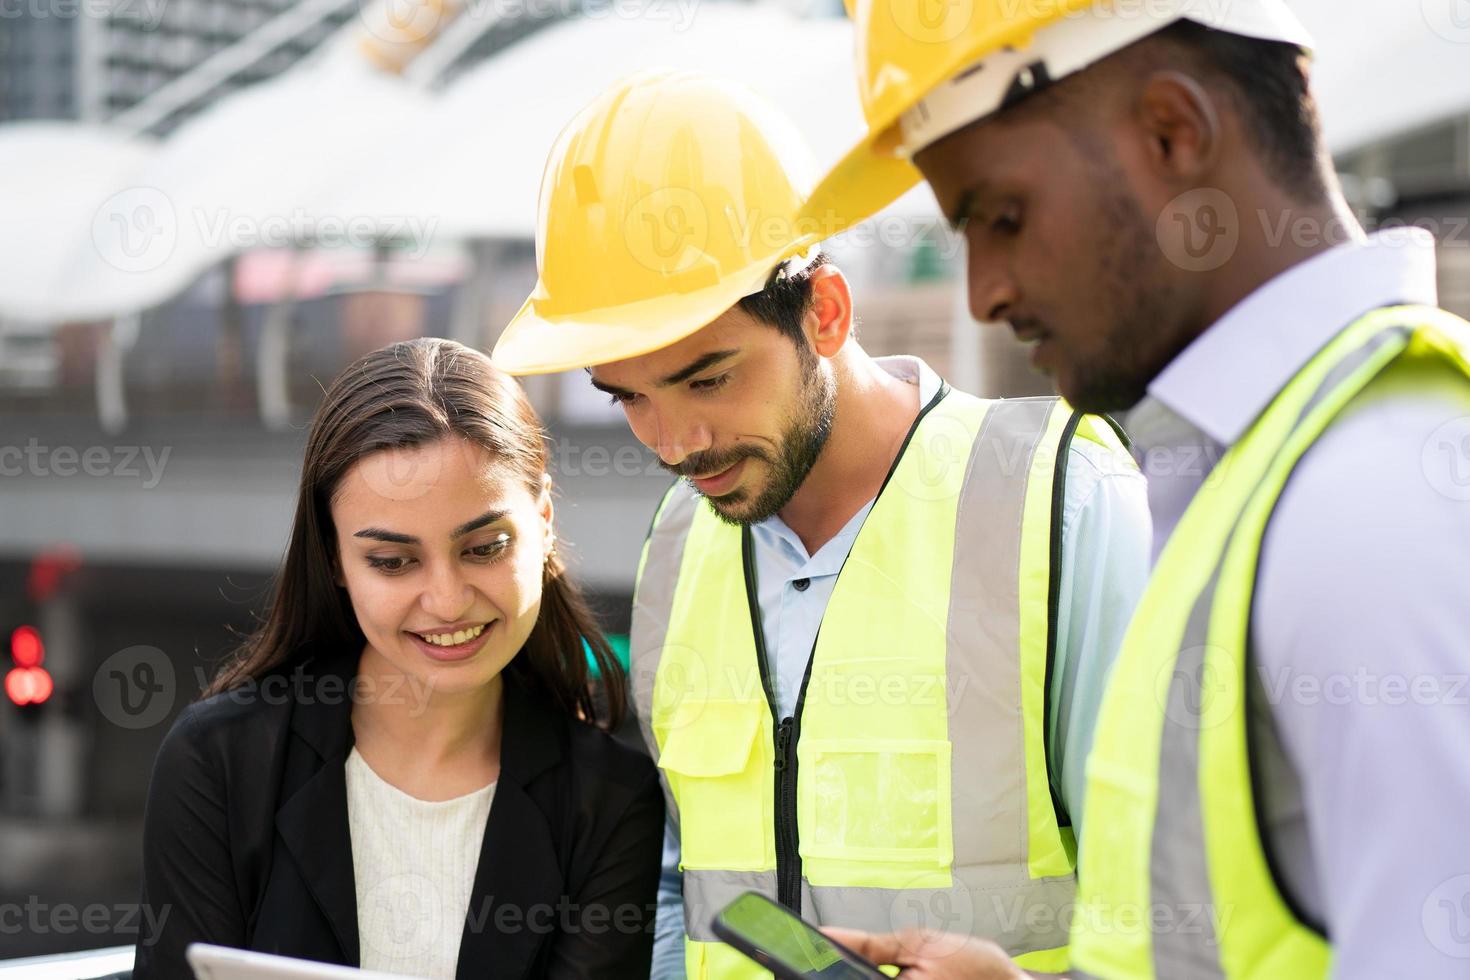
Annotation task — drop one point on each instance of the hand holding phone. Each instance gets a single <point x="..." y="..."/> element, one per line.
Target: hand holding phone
<point x="782" y="942"/>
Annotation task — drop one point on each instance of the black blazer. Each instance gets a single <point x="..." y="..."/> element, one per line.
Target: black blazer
<point x="246" y="840"/>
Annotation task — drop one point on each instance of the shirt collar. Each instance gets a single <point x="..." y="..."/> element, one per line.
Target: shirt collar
<point x="1224" y="380"/>
<point x="773" y="532"/>
<point x="828" y="559"/>
<point x="912" y="369"/>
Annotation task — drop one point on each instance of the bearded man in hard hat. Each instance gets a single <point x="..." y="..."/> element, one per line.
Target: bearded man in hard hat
<point x="971" y="564"/>
<point x="1147" y="199"/>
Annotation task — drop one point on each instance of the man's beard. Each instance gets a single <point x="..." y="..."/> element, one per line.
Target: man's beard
<point x="1143" y="322"/>
<point x="801" y="444"/>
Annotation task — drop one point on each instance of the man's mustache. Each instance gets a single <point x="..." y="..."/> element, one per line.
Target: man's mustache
<point x="710" y="462"/>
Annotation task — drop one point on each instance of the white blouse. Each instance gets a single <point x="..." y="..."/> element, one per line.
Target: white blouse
<point x="413" y="862"/>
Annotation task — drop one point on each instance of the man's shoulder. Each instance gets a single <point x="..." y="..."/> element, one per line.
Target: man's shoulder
<point x="1099" y="476"/>
<point x="1367" y="542"/>
<point x="1397" y="460"/>
<point x="674" y="507"/>
<point x="1089" y="459"/>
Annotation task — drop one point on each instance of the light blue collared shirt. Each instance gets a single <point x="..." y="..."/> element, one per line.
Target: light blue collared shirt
<point x="1362" y="609"/>
<point x="1105" y="558"/>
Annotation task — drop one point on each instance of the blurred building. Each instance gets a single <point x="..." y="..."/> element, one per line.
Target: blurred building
<point x="92" y="61"/>
<point x="1421" y="178"/>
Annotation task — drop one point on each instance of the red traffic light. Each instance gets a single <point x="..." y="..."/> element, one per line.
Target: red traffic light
<point x="26" y="648"/>
<point x="50" y="569"/>
<point x="28" y="685"/>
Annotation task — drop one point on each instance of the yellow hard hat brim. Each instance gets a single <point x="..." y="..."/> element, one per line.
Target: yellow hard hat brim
<point x="537" y="343"/>
<point x="896" y="69"/>
<point x="866" y="180"/>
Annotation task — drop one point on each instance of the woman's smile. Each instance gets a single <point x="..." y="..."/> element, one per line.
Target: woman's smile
<point x="453" y="645"/>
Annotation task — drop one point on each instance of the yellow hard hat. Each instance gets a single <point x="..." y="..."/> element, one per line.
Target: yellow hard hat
<point x="925" y="68"/>
<point x="664" y="202"/>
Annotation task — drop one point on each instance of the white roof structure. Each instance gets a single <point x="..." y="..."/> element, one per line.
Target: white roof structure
<point x="57" y="174"/>
<point x="474" y="163"/>
<point x="114" y="226"/>
<point x="339" y="151"/>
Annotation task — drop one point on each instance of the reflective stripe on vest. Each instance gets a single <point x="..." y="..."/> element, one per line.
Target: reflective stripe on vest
<point x="921" y="789"/>
<point x="1175" y="879"/>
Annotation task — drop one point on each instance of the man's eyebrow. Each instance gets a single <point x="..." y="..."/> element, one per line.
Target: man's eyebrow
<point x="962" y="209"/>
<point x="607" y="388"/>
<point x="394" y="537"/>
<point x="979" y="195"/>
<point x="703" y="363"/>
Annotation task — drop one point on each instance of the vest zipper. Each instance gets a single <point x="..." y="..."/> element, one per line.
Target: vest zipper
<point x="787" y="731"/>
<point x="788" y="870"/>
<point x="788" y="857"/>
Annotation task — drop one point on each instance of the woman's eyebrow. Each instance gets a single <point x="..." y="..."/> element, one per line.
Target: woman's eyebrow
<point x="394" y="537"/>
<point x="489" y="517"/>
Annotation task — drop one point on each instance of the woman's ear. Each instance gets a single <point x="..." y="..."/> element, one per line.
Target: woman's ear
<point x="334" y="559"/>
<point x="545" y="507"/>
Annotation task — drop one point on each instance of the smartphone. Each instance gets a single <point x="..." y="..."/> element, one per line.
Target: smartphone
<point x="787" y="945"/>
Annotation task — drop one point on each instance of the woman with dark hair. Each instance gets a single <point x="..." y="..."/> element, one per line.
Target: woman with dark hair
<point x="401" y="769"/>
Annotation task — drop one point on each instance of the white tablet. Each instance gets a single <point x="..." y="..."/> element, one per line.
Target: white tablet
<point x="223" y="963"/>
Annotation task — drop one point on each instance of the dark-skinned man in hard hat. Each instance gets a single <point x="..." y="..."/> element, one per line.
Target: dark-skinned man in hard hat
<point x="1277" y="783"/>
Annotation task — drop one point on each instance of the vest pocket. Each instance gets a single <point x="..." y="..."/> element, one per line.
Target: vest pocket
<point x="862" y="802"/>
<point x="719" y="769"/>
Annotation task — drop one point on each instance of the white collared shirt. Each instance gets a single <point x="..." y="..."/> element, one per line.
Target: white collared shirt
<point x="1361" y="624"/>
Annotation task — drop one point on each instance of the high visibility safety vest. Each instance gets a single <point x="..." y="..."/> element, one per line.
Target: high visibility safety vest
<point x="910" y="786"/>
<point x="1175" y="881"/>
